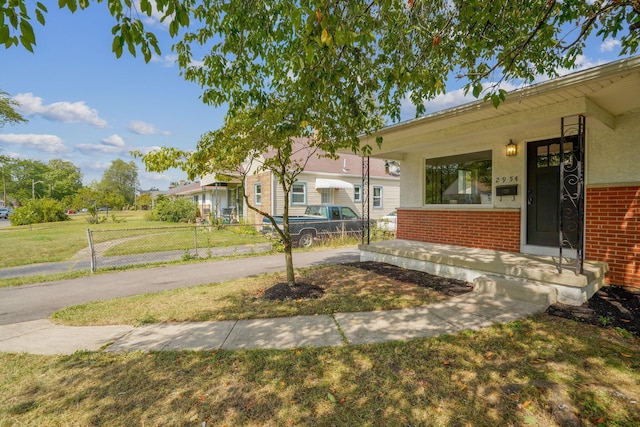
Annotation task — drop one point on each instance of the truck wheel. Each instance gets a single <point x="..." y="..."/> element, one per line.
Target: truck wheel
<point x="305" y="240"/>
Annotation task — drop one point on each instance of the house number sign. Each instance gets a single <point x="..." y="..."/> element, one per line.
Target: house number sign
<point x="505" y="179"/>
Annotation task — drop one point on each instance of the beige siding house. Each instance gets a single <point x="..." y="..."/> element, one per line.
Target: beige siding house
<point x="328" y="181"/>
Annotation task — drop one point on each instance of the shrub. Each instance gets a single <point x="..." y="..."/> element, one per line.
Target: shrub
<point x="38" y="211"/>
<point x="179" y="210"/>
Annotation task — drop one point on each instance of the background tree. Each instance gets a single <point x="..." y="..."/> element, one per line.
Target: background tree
<point x="64" y="178"/>
<point x="119" y="183"/>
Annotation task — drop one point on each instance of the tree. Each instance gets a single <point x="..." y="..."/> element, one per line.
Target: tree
<point x="250" y="142"/>
<point x="8" y="114"/>
<point x="63" y="177"/>
<point x="119" y="183"/>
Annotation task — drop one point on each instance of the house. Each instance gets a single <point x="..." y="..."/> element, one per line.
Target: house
<point x="215" y="196"/>
<point x="556" y="162"/>
<point x="329" y="181"/>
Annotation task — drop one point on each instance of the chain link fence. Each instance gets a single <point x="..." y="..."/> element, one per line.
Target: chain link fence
<point x="139" y="246"/>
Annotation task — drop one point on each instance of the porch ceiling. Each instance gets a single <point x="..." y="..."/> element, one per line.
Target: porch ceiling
<point x="600" y="93"/>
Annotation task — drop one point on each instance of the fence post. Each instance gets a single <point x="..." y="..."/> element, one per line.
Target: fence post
<point x="92" y="252"/>
<point x="195" y="238"/>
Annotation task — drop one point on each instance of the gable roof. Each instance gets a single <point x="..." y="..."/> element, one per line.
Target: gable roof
<point x="602" y="93"/>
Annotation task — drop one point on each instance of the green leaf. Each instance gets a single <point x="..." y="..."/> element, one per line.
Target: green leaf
<point x="331" y="397"/>
<point x="40" y="17"/>
<point x="27" y="32"/>
<point x="477" y="89"/>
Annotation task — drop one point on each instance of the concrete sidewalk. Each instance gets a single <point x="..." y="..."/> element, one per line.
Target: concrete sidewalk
<point x="470" y="311"/>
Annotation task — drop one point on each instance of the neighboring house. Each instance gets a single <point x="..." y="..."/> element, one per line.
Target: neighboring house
<point x="217" y="199"/>
<point x="460" y="187"/>
<point x="327" y="181"/>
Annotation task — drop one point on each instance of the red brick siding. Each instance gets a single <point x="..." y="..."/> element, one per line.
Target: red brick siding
<point x="497" y="230"/>
<point x="613" y="231"/>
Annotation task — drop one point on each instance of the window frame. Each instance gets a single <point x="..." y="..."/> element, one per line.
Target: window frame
<point x="293" y="193"/>
<point x="380" y="197"/>
<point x="469" y="157"/>
<point x="257" y="194"/>
<point x="357" y="191"/>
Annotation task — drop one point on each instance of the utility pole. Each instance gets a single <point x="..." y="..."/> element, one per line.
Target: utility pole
<point x="33" y="188"/>
<point x="4" y="188"/>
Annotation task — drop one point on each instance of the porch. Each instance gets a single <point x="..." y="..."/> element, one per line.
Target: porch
<point x="519" y="276"/>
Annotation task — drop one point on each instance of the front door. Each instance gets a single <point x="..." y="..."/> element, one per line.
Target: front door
<point x="543" y="190"/>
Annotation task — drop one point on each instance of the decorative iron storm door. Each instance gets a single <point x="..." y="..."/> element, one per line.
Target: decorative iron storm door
<point x="555" y="199"/>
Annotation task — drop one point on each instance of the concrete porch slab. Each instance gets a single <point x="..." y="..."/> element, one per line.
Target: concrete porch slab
<point x="471" y="263"/>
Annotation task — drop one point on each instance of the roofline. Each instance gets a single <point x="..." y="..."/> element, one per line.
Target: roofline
<point x="578" y="77"/>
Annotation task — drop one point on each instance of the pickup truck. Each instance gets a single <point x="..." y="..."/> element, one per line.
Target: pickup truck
<point x="318" y="221"/>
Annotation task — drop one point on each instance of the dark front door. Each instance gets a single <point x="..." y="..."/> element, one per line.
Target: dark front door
<point x="543" y="189"/>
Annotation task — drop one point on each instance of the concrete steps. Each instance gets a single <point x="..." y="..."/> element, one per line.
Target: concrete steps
<point x="504" y="272"/>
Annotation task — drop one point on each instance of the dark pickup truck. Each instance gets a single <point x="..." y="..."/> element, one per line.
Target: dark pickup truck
<point x="319" y="221"/>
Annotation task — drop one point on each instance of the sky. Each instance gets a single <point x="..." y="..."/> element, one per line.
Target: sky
<point x="86" y="106"/>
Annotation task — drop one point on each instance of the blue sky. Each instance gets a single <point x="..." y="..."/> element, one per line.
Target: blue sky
<point x="86" y="106"/>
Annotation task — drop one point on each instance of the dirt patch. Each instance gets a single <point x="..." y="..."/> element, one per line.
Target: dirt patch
<point x="447" y="287"/>
<point x="611" y="307"/>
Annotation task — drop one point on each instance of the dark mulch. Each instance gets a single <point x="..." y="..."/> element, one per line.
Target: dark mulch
<point x="610" y="307"/>
<point x="282" y="291"/>
<point x="449" y="287"/>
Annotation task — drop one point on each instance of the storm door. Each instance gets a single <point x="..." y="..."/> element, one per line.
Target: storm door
<point x="543" y="190"/>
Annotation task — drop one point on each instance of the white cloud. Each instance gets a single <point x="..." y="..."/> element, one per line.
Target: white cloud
<point x="113" y="144"/>
<point x="166" y="61"/>
<point x="147" y="150"/>
<point x="65" y="112"/>
<point x="113" y="141"/>
<point x="142" y="128"/>
<point x="48" y="143"/>
<point x="609" y="45"/>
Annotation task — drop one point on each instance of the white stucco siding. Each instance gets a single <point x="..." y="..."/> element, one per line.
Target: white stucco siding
<point x="613" y="155"/>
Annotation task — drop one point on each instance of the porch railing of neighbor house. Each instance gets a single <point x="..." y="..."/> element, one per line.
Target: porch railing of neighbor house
<point x="571" y="206"/>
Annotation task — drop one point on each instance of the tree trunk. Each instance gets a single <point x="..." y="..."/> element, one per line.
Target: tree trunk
<point x="288" y="253"/>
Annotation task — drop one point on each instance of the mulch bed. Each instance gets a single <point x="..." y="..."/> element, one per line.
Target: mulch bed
<point x="610" y="307"/>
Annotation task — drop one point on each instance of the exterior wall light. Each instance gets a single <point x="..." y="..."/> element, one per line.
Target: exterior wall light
<point x="512" y="149"/>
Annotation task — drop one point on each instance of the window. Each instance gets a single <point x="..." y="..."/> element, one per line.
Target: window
<point x="357" y="193"/>
<point x="463" y="179"/>
<point x="326" y="196"/>
<point x="299" y="193"/>
<point x="377" y="197"/>
<point x="257" y="194"/>
<point x="347" y="213"/>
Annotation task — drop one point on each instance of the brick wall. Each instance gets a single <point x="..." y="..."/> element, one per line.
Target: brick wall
<point x="613" y="231"/>
<point x="496" y="229"/>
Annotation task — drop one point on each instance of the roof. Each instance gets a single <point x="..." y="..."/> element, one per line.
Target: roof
<point x="192" y="188"/>
<point x="346" y="164"/>
<point x="602" y="92"/>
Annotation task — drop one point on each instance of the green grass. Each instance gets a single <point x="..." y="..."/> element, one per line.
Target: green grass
<point x="60" y="241"/>
<point x="514" y="374"/>
<point x="57" y="241"/>
<point x="347" y="289"/>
